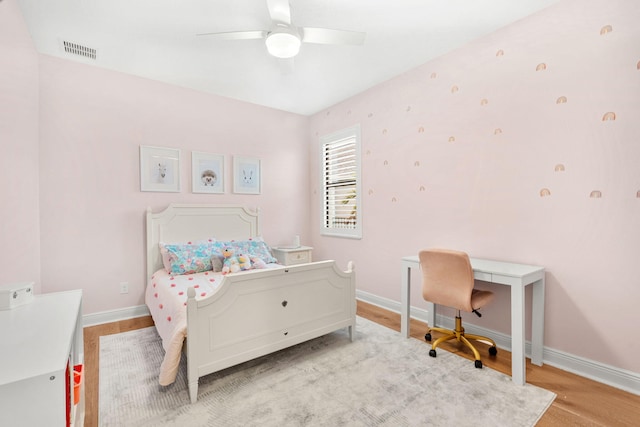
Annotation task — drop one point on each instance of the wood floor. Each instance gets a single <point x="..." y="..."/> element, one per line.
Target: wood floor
<point x="579" y="402"/>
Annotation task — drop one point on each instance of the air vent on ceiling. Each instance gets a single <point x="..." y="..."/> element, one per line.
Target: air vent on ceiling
<point x="78" y="49"/>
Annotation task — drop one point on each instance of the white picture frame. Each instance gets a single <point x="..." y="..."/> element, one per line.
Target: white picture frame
<point x="207" y="173"/>
<point x="159" y="169"/>
<point x="246" y="175"/>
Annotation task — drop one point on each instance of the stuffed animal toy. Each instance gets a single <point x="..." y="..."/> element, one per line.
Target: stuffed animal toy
<point x="258" y="262"/>
<point x="230" y="263"/>
<point x="244" y="262"/>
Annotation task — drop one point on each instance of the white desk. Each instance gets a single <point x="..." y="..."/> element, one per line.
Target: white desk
<point x="517" y="276"/>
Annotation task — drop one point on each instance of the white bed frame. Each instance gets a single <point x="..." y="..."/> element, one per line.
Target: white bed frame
<point x="256" y="312"/>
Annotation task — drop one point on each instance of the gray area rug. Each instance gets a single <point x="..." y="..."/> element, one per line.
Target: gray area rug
<point x="380" y="379"/>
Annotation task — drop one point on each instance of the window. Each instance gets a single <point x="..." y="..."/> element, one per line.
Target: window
<point x="342" y="202"/>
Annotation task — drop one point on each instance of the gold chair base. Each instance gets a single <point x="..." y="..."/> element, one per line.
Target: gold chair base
<point x="459" y="335"/>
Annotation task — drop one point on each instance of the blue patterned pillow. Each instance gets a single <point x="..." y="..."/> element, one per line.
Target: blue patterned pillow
<point x="190" y="258"/>
<point x="254" y="248"/>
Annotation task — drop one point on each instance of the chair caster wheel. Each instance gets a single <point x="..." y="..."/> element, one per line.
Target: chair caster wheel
<point x="479" y="364"/>
<point x="427" y="336"/>
<point x="493" y="351"/>
<point x="432" y="353"/>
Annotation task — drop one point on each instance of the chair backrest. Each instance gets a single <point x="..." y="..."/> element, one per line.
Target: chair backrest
<point x="447" y="278"/>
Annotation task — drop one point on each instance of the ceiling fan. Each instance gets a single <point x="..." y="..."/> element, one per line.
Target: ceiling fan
<point x="284" y="39"/>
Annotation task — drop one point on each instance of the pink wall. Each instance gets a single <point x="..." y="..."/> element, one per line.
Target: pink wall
<point x="19" y="212"/>
<point x="92" y="123"/>
<point x="441" y="168"/>
<point x="457" y="153"/>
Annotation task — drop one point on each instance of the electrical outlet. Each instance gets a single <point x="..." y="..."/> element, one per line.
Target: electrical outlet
<point x="124" y="287"/>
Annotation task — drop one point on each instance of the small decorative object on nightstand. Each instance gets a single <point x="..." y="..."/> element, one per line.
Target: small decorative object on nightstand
<point x="293" y="256"/>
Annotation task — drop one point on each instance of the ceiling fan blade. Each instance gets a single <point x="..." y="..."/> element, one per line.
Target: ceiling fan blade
<point x="236" y="35"/>
<point x="280" y="11"/>
<point x="328" y="36"/>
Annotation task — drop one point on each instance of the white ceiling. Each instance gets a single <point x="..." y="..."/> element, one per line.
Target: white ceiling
<point x="156" y="39"/>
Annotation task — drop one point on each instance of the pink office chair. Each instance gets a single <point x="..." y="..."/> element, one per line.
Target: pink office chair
<point x="447" y="279"/>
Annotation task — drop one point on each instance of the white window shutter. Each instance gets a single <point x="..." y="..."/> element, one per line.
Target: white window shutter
<point x="342" y="208"/>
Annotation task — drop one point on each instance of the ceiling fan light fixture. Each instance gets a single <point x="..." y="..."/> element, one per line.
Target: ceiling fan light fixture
<point x="283" y="44"/>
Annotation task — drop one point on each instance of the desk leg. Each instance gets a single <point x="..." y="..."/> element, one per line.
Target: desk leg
<point x="518" y="372"/>
<point x="537" y="323"/>
<point x="405" y="300"/>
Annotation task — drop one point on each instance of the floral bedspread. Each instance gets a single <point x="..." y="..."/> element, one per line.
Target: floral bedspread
<point x="166" y="297"/>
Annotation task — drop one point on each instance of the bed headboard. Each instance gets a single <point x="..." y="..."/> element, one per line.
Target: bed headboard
<point x="181" y="223"/>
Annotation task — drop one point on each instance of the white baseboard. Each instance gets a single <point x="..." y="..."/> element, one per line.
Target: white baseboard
<point x="114" y="315"/>
<point x="606" y="374"/>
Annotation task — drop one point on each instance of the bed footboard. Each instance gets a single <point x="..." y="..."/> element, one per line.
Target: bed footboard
<point x="261" y="311"/>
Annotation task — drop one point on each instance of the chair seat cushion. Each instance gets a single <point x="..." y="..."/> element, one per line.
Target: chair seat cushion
<point x="480" y="298"/>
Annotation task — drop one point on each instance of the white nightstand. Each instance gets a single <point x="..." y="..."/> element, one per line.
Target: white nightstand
<point x="292" y="256"/>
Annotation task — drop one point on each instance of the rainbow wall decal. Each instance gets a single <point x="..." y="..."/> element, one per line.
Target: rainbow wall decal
<point x="606" y="30"/>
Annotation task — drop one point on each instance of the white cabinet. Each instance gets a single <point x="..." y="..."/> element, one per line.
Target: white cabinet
<point x="292" y="256"/>
<point x="41" y="344"/>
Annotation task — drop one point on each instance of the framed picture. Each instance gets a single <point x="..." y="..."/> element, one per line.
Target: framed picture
<point x="246" y="175"/>
<point x="159" y="169"/>
<point x="207" y="173"/>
